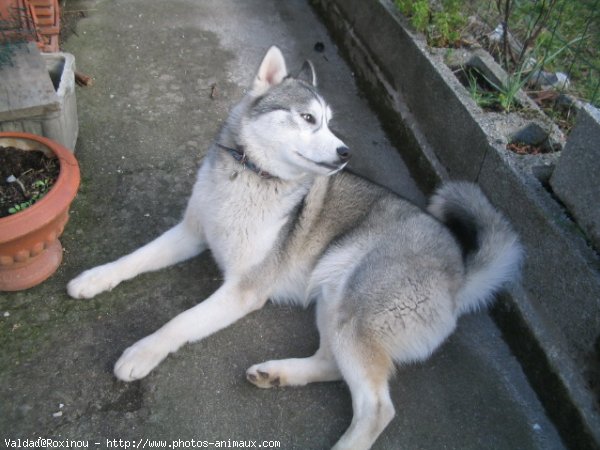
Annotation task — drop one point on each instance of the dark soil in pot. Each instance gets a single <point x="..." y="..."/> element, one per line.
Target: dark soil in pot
<point x="25" y="177"/>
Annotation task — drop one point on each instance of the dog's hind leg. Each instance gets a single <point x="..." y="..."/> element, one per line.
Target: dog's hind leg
<point x="366" y="368"/>
<point x="177" y="244"/>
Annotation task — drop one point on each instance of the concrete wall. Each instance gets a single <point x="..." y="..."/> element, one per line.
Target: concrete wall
<point x="576" y="180"/>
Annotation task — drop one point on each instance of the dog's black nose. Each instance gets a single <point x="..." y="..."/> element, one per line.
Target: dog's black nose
<point x="343" y="152"/>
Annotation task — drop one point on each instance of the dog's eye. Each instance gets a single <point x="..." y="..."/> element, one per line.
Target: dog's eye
<point x="309" y="118"/>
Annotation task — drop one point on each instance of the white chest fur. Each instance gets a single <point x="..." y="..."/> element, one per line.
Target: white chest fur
<point x="241" y="218"/>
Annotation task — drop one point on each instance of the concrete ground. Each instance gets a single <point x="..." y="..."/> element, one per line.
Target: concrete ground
<point x="144" y="127"/>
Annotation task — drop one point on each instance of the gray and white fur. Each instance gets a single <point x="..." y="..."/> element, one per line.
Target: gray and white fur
<point x="285" y="223"/>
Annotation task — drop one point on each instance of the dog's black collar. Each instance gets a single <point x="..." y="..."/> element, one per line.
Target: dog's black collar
<point x="239" y="154"/>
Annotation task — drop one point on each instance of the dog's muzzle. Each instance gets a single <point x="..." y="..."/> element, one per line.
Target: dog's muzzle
<point x="343" y="157"/>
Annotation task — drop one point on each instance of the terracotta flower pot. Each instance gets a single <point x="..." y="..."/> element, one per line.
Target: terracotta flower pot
<point x="30" y="251"/>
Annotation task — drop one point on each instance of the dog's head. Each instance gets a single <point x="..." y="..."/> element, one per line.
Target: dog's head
<point x="286" y="127"/>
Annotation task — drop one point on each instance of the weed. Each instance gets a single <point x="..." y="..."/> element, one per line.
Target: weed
<point x="483" y="99"/>
<point x="521" y="75"/>
<point x="442" y="25"/>
<point x="570" y="27"/>
<point x="39" y="189"/>
<point x="551" y="25"/>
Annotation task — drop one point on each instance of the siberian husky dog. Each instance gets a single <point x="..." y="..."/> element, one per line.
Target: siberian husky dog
<point x="285" y="223"/>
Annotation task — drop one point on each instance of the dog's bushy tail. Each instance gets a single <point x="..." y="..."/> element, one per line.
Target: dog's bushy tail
<point x="491" y="249"/>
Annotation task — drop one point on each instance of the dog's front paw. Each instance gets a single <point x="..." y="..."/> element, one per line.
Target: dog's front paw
<point x="93" y="281"/>
<point x="264" y="376"/>
<point x="138" y="360"/>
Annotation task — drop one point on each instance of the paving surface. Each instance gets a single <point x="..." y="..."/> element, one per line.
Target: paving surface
<point x="144" y="127"/>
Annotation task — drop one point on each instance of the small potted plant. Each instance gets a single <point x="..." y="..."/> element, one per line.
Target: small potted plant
<point x="30" y="251"/>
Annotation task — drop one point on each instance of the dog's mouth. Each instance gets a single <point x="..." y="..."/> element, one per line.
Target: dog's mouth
<point x="333" y="168"/>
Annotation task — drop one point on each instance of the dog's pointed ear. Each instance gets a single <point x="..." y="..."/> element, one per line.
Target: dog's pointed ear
<point x="307" y="73"/>
<point x="271" y="72"/>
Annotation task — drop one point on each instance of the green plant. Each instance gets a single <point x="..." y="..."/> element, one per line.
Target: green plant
<point x="483" y="98"/>
<point x="420" y="15"/>
<point x="448" y="24"/>
<point x="441" y="25"/>
<point x="547" y="24"/>
<point x="39" y="189"/>
<point x="528" y="25"/>
<point x="405" y="6"/>
<point x="515" y="81"/>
